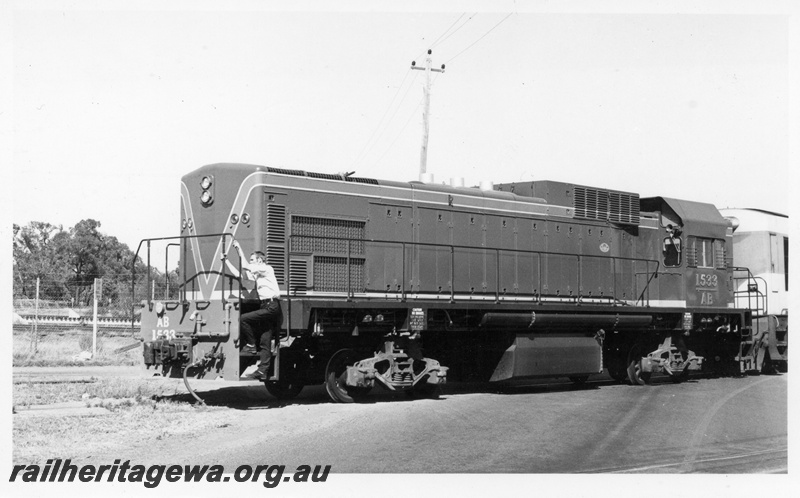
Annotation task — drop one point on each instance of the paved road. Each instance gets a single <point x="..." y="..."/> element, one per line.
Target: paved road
<point x="726" y="425"/>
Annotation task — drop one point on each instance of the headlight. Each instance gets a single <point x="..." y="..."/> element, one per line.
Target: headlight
<point x="205" y="183"/>
<point x="205" y="198"/>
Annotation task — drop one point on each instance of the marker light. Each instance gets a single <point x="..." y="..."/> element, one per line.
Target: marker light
<point x="245" y="218"/>
<point x="234" y="219"/>
<point x="205" y="183"/>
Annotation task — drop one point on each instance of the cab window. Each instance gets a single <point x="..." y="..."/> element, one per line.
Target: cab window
<point x="701" y="252"/>
<point x="672" y="247"/>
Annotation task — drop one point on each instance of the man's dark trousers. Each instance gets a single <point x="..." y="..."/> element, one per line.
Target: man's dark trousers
<point x="262" y="323"/>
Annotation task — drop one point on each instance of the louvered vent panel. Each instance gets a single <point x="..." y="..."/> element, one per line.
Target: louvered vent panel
<point x="293" y="172"/>
<point x="691" y="257"/>
<point x="604" y="205"/>
<point x="298" y="276"/>
<point x="276" y="258"/>
<point x="276" y="223"/>
<point x="325" y="176"/>
<point x="369" y="181"/>
<point x="720" y="256"/>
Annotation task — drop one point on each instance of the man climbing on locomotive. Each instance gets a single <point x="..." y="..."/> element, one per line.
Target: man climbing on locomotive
<point x="259" y="326"/>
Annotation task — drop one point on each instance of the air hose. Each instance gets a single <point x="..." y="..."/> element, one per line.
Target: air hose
<point x="202" y="362"/>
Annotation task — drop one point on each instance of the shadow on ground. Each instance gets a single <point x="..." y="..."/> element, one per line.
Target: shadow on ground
<point x="255" y="396"/>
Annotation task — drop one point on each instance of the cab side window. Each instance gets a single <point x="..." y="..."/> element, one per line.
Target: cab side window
<point x="672" y="247"/>
<point x="700" y="252"/>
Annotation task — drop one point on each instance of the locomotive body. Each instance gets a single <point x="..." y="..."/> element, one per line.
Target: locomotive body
<point x="408" y="284"/>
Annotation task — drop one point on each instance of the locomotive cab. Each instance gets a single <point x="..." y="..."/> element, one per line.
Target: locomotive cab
<point x="693" y="243"/>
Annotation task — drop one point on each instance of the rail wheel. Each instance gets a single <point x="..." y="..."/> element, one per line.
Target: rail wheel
<point x="767" y="366"/>
<point x="618" y="373"/>
<point x="679" y="377"/>
<point x="284" y="389"/>
<point x="617" y="363"/>
<point x="424" y="391"/>
<point x="635" y="374"/>
<point x="338" y="391"/>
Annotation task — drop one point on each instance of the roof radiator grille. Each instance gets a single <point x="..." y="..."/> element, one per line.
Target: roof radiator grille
<point x="606" y="205"/>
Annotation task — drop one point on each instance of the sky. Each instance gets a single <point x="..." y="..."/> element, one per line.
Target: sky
<point x="112" y="103"/>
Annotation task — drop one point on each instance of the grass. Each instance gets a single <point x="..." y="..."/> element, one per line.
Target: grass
<point x="44" y="393"/>
<point x="62" y="349"/>
<point x="37" y="439"/>
<point x="138" y="413"/>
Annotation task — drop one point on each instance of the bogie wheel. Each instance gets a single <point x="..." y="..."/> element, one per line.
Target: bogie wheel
<point x="424" y="390"/>
<point x="620" y="374"/>
<point x="681" y="376"/>
<point x="335" y="372"/>
<point x="617" y="365"/>
<point x="767" y="366"/>
<point x="635" y="374"/>
<point x="284" y="389"/>
<point x="291" y="381"/>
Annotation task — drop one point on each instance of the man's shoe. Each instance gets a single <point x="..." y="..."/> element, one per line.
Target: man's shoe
<point x="249" y="350"/>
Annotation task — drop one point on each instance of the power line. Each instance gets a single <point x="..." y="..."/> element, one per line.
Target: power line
<point x="481" y="38"/>
<point x="400" y="133"/>
<point x="445" y="32"/>
<point x="360" y="154"/>
<point x="456" y="31"/>
<point x="436" y="42"/>
<point x="399" y="105"/>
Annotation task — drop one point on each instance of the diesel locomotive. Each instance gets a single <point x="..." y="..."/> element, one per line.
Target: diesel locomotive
<point x="407" y="285"/>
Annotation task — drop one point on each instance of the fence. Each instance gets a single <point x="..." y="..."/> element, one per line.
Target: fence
<point x="48" y="310"/>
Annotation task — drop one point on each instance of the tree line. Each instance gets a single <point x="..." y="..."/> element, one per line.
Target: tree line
<point x="66" y="262"/>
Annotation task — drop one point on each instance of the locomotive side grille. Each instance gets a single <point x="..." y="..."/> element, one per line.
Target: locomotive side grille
<point x="298" y="276"/>
<point x="605" y="205"/>
<point x="326" y="235"/>
<point x="276" y="239"/>
<point x="276" y="223"/>
<point x="276" y="258"/>
<point x="369" y="181"/>
<point x="293" y="172"/>
<point x="330" y="274"/>
<point x="325" y="176"/>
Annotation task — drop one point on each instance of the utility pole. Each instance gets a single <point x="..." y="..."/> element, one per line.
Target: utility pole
<point x="423" y="157"/>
